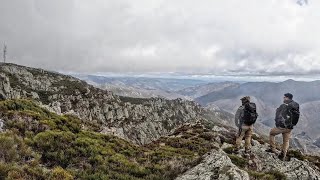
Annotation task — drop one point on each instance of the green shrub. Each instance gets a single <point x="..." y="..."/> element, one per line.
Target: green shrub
<point x="269" y="175"/>
<point x="277" y="175"/>
<point x="59" y="173"/>
<point x="44" y="96"/>
<point x="68" y="87"/>
<point x="207" y="136"/>
<point x="229" y="150"/>
<point x="13" y="148"/>
<point x="238" y="161"/>
<point x="261" y="140"/>
<point x="296" y="154"/>
<point x="314" y="159"/>
<point x="260" y="175"/>
<point x="43" y="145"/>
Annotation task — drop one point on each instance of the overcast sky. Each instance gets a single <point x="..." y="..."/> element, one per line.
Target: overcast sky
<point x="266" y="37"/>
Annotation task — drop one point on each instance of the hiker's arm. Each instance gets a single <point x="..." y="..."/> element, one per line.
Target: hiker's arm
<point x="237" y="117"/>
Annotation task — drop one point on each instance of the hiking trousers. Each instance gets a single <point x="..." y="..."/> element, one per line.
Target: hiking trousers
<point x="247" y="133"/>
<point x="286" y="133"/>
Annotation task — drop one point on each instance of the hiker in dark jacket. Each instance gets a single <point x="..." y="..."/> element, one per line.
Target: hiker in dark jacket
<point x="287" y="116"/>
<point x="244" y="119"/>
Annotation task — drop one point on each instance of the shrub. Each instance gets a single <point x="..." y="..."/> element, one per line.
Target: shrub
<point x="43" y="145"/>
<point x="207" y="136"/>
<point x="296" y="154"/>
<point x="229" y="150"/>
<point x="260" y="175"/>
<point x="277" y="175"/>
<point x="58" y="173"/>
<point x="238" y="161"/>
<point x="68" y="87"/>
<point x="13" y="148"/>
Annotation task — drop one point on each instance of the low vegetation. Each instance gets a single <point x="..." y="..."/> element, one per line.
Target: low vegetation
<point x="299" y="155"/>
<point x="243" y="163"/>
<point x="270" y="175"/>
<point x="38" y="144"/>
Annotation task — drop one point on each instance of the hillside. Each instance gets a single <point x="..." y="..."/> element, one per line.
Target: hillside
<point x="38" y="144"/>
<point x="139" y="120"/>
<point x="58" y="127"/>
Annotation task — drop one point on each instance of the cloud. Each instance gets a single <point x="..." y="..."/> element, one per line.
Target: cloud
<point x="267" y="37"/>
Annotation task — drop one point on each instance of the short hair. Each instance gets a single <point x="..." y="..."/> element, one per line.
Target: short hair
<point x="288" y="95"/>
<point x="245" y="98"/>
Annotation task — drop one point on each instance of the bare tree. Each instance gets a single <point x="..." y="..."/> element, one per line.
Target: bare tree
<point x="4" y="53"/>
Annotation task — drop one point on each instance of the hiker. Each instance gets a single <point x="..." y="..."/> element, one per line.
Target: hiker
<point x="287" y="116"/>
<point x="245" y="117"/>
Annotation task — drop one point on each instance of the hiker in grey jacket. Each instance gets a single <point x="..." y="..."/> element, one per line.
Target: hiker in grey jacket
<point x="245" y="123"/>
<point x="238" y="117"/>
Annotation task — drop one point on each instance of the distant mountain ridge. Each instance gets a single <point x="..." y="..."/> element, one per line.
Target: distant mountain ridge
<point x="225" y="96"/>
<point x="140" y="120"/>
<point x="268" y="96"/>
<point x="201" y="90"/>
<point x="167" y="84"/>
<point x="269" y="92"/>
<point x="142" y="87"/>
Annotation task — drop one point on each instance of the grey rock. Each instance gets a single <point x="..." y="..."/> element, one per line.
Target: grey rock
<point x="216" y="165"/>
<point x="218" y="129"/>
<point x="293" y="169"/>
<point x="1" y="125"/>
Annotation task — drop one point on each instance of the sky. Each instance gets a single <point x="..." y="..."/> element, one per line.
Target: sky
<point x="197" y="38"/>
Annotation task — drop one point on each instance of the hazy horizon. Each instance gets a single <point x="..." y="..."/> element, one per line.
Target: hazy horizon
<point x="206" y="78"/>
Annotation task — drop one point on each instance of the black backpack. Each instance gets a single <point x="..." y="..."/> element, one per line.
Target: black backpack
<point x="250" y="114"/>
<point x="291" y="114"/>
<point x="295" y="115"/>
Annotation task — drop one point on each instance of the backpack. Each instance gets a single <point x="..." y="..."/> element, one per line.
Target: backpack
<point x="295" y="115"/>
<point x="291" y="114"/>
<point x="250" y="114"/>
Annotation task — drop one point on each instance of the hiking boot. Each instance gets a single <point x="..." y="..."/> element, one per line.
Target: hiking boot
<point x="246" y="155"/>
<point x="270" y="150"/>
<point x="236" y="151"/>
<point x="282" y="156"/>
<point x="247" y="151"/>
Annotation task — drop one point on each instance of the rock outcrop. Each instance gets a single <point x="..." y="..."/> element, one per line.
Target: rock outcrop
<point x="222" y="163"/>
<point x="294" y="169"/>
<point x="136" y="119"/>
<point x="216" y="165"/>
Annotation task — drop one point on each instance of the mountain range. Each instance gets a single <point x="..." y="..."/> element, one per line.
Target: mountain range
<point x="268" y="96"/>
<point x="55" y="126"/>
<point x="225" y="96"/>
<point x="142" y="87"/>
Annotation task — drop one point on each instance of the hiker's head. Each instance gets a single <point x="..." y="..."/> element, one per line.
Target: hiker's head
<point x="245" y="99"/>
<point x="287" y="96"/>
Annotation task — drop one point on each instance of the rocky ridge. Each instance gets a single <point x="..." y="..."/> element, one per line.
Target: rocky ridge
<point x="222" y="163"/>
<point x="136" y="119"/>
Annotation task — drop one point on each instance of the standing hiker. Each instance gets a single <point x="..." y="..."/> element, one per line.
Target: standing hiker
<point x="287" y="116"/>
<point x="245" y="117"/>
